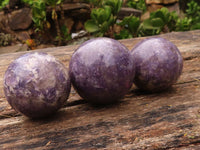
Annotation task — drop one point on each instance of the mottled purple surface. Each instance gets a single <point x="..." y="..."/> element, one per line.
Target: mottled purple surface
<point x="158" y="64"/>
<point x="101" y="70"/>
<point x="36" y="84"/>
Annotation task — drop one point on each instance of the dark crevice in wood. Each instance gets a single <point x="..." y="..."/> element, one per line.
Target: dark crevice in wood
<point x="190" y="57"/>
<point x="4" y="116"/>
<point x="75" y="103"/>
<point x="190" y="81"/>
<point x="176" y="144"/>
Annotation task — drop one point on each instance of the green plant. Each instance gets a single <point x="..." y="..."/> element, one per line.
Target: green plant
<point x="39" y="13"/>
<point x="40" y="17"/>
<point x="65" y="33"/>
<point x="191" y="20"/>
<point x="159" y="20"/>
<point x="129" y="27"/>
<point x="3" y="3"/>
<point x="115" y="6"/>
<point x="124" y="34"/>
<point x="103" y="18"/>
<point x="54" y="16"/>
<point x="183" y="24"/>
<point x="137" y="4"/>
<point x="195" y="26"/>
<point x="193" y="12"/>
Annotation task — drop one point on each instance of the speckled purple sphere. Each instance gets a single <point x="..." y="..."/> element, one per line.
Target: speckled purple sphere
<point x="101" y="70"/>
<point x="158" y="64"/>
<point x="36" y="84"/>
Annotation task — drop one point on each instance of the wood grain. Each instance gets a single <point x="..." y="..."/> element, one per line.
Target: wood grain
<point x="168" y="120"/>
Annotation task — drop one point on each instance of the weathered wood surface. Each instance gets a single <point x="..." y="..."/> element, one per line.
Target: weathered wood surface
<point x="169" y="120"/>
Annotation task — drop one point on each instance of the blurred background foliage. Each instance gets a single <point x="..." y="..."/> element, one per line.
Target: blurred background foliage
<point x="159" y="21"/>
<point x="104" y="20"/>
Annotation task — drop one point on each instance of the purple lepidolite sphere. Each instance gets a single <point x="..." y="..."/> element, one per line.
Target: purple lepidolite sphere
<point x="101" y="70"/>
<point x="36" y="84"/>
<point x="158" y="64"/>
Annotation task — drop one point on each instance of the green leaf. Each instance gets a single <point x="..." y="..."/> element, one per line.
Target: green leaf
<point x="137" y="4"/>
<point x="119" y="5"/>
<point x="91" y="26"/>
<point x="100" y="15"/>
<point x="59" y="2"/>
<point x="164" y="10"/>
<point x="51" y="3"/>
<point x="166" y="14"/>
<point x="111" y="20"/>
<point x="3" y="3"/>
<point x="104" y="27"/>
<point x="114" y="4"/>
<point x="173" y="15"/>
<point x="157" y="14"/>
<point x="157" y="22"/>
<point x="124" y="34"/>
<point x="94" y="14"/>
<point x="65" y="33"/>
<point x="195" y="26"/>
<point x="133" y="24"/>
<point x="193" y="9"/>
<point x="147" y="24"/>
<point x="183" y="24"/>
<point x="106" y="13"/>
<point x="147" y="28"/>
<point x="162" y="13"/>
<point x="99" y="34"/>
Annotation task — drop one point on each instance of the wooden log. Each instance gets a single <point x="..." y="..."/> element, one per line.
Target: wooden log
<point x="168" y="120"/>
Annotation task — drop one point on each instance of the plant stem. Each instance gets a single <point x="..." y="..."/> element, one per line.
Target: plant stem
<point x="57" y="28"/>
<point x="62" y="12"/>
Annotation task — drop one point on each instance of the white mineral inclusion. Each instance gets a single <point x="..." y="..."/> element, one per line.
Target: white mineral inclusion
<point x="158" y="64"/>
<point x="154" y="49"/>
<point x="102" y="70"/>
<point x="30" y="65"/>
<point x="97" y="48"/>
<point x="36" y="84"/>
